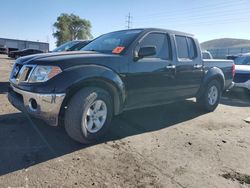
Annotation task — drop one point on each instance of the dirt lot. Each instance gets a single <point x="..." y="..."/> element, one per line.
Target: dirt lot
<point x="169" y="146"/>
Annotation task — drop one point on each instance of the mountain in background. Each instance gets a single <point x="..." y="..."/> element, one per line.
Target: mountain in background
<point x="225" y="43"/>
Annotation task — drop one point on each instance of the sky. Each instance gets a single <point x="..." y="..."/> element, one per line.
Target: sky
<point x="207" y="20"/>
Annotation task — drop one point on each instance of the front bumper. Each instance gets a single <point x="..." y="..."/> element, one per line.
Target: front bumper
<point x="43" y="106"/>
<point x="244" y="84"/>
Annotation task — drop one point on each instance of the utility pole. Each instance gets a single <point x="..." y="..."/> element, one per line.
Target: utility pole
<point x="128" y="21"/>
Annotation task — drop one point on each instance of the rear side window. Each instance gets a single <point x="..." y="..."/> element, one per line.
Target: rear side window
<point x="161" y="42"/>
<point x="185" y="47"/>
<point x="182" y="47"/>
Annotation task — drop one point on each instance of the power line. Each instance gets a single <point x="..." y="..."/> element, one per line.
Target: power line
<point x="214" y="15"/>
<point x="197" y="14"/>
<point x="196" y="8"/>
<point x="207" y="23"/>
<point x="211" y="16"/>
<point x="204" y="15"/>
<point x="128" y="21"/>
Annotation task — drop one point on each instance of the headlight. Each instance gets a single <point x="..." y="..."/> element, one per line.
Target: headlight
<point x="44" y="73"/>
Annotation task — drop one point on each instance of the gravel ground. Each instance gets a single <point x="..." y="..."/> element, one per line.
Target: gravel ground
<point x="174" y="145"/>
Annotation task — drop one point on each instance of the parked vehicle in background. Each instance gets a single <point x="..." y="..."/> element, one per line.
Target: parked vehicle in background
<point x="232" y="57"/>
<point x="74" y="45"/>
<point x="3" y="50"/>
<point x="206" y="55"/>
<point x="24" y="52"/>
<point x="242" y="74"/>
<point x="118" y="71"/>
<point x="11" y="50"/>
<point x="79" y="46"/>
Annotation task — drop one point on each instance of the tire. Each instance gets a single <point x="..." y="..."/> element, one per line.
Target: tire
<point x="81" y="112"/>
<point x="208" y="103"/>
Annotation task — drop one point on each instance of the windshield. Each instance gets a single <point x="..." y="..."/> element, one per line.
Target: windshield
<point x="242" y="60"/>
<point x="114" y="42"/>
<point x="65" y="46"/>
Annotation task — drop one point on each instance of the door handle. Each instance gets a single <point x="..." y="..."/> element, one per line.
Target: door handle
<point x="197" y="66"/>
<point x="170" y="67"/>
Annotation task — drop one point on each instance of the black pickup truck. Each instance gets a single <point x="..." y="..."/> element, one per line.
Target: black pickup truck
<point x="118" y="71"/>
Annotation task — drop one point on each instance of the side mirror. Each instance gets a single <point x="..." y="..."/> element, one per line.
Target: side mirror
<point x="146" y="51"/>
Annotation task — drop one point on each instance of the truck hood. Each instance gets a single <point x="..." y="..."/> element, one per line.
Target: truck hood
<point x="242" y="68"/>
<point x="62" y="58"/>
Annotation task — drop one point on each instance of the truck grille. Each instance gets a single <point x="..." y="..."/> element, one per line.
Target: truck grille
<point x="241" y="78"/>
<point x="21" y="73"/>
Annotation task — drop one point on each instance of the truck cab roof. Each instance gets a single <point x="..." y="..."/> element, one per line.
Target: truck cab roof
<point x="161" y="30"/>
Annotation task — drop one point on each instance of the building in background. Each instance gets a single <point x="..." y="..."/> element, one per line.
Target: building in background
<point x="14" y="44"/>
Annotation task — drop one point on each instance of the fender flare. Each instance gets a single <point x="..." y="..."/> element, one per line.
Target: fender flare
<point x="96" y="76"/>
<point x="213" y="73"/>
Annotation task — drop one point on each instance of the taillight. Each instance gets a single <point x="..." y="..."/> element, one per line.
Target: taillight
<point x="233" y="70"/>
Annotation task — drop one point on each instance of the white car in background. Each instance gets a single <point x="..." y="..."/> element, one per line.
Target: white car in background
<point x="242" y="72"/>
<point x="206" y="55"/>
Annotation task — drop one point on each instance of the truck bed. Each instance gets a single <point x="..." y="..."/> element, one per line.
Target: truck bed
<point x="225" y="65"/>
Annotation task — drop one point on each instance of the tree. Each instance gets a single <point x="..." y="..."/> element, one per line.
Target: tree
<point x="71" y="27"/>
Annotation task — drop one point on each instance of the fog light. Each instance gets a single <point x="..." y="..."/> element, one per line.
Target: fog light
<point x="33" y="104"/>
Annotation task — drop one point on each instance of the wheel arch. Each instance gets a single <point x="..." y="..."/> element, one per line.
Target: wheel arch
<point x="117" y="93"/>
<point x="213" y="73"/>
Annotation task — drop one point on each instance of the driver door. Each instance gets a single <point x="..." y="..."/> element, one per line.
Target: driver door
<point x="151" y="79"/>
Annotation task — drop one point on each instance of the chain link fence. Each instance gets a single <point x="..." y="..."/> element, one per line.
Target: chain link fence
<point x="221" y="53"/>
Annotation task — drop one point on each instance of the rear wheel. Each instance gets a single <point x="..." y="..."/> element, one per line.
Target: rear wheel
<point x="211" y="96"/>
<point x="88" y="115"/>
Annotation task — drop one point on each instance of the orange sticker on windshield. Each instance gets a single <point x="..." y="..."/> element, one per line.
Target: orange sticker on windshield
<point x="118" y="50"/>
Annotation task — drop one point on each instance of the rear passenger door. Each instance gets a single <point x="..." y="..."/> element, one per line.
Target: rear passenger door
<point x="189" y="69"/>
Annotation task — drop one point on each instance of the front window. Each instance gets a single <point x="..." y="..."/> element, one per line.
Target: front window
<point x="242" y="60"/>
<point x="114" y="42"/>
<point x="161" y="42"/>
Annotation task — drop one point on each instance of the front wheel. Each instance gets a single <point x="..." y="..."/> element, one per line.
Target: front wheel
<point x="211" y="96"/>
<point x="88" y="115"/>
